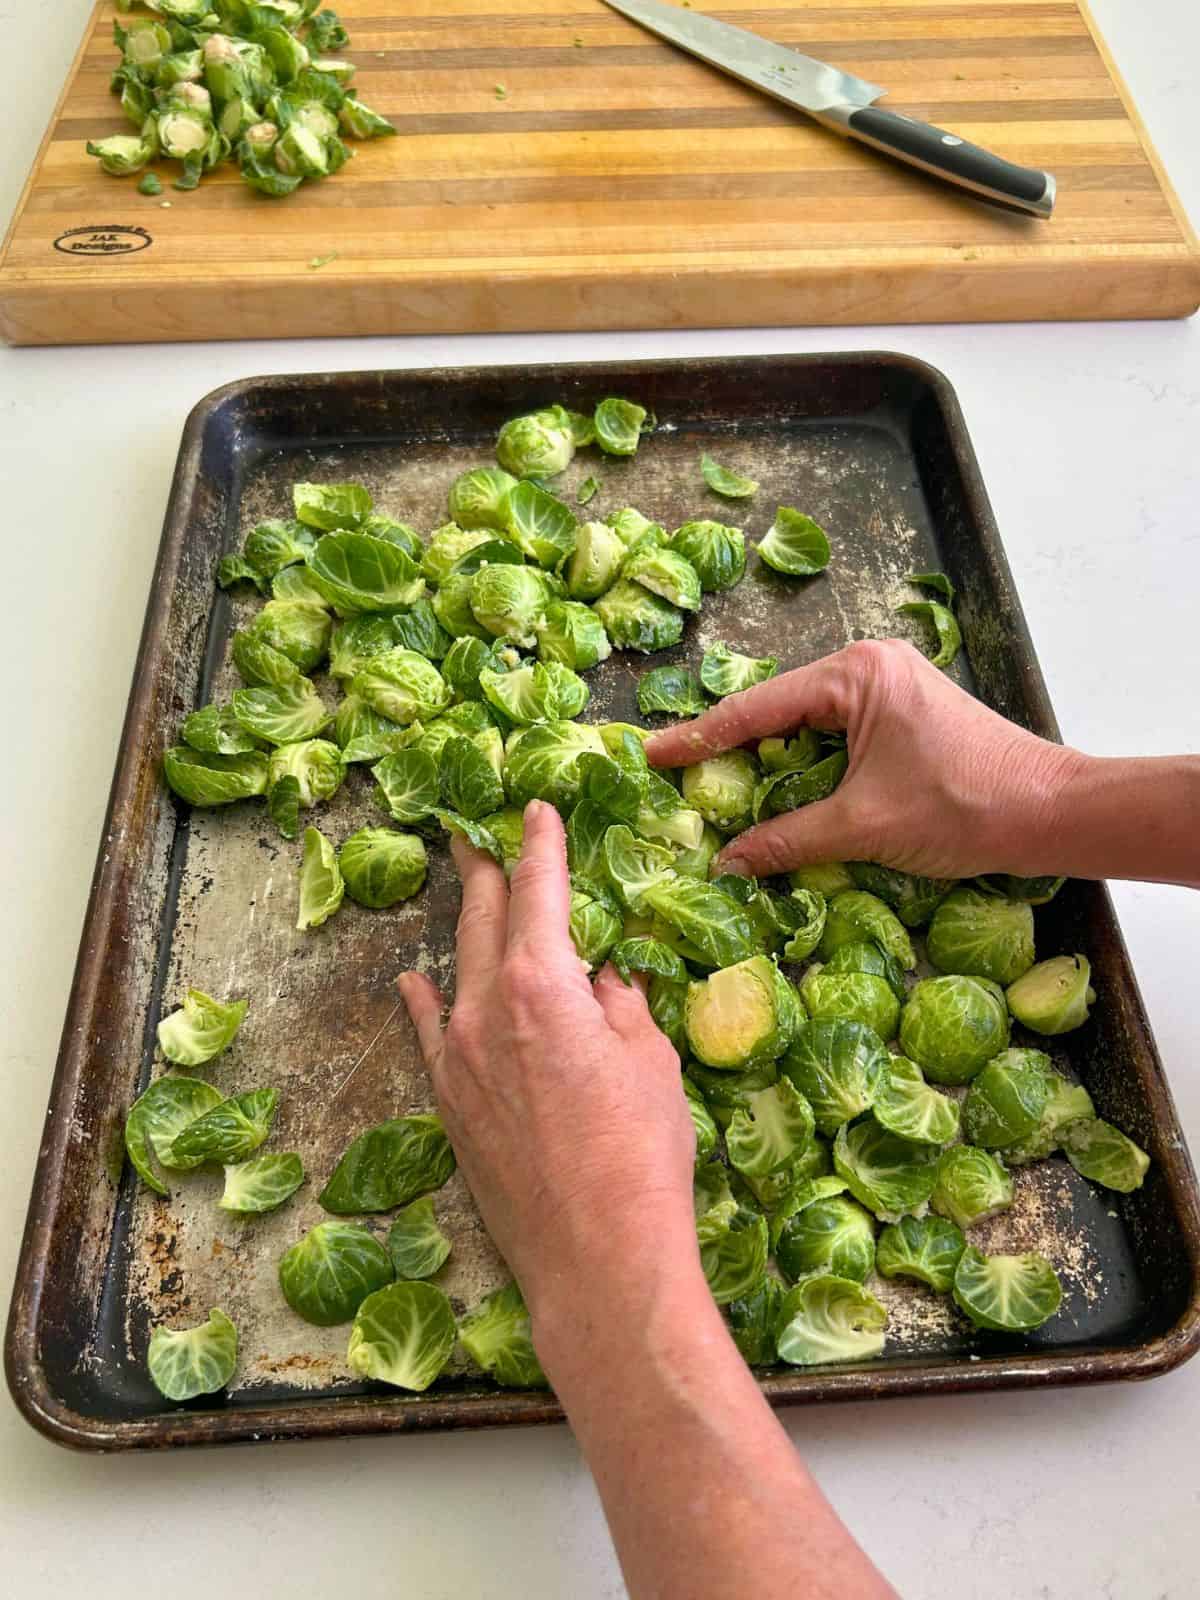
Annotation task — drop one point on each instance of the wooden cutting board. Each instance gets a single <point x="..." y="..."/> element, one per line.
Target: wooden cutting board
<point x="620" y="184"/>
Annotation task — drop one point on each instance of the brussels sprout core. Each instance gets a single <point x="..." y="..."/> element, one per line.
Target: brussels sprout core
<point x="741" y="1015"/>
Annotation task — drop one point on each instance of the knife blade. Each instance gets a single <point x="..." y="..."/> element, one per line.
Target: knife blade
<point x="846" y="104"/>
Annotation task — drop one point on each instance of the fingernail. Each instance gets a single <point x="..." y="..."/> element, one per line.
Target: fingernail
<point x="735" y="866"/>
<point x="533" y="810"/>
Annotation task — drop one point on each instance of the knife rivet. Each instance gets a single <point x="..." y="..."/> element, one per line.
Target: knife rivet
<point x="949" y="138"/>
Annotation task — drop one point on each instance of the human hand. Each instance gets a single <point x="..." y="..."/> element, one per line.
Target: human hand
<point x="563" y="1101"/>
<point x="937" y="783"/>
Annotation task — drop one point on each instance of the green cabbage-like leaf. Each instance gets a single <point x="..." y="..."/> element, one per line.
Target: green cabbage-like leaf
<point x="619" y="425"/>
<point x="676" y="689"/>
<point x="1006" y="1294"/>
<point x="261" y="1184"/>
<point x="214" y="780"/>
<point x="157" y="1118"/>
<point x="734" y="1258"/>
<point x="281" y="715"/>
<point x="723" y="671"/>
<point x="200" y="1029"/>
<point x="1006" y="1101"/>
<point x="1104" y="1154"/>
<point x="889" y="1175"/>
<point x="327" y="1274"/>
<point x="723" y="481"/>
<point x="827" y="1318"/>
<point x="830" y="1234"/>
<point x="187" y="1362"/>
<point x="321" y="885"/>
<point x="380" y="866"/>
<point x="839" y="1068"/>
<point x="924" y="1248"/>
<point x="215" y="731"/>
<point x="403" y="1335"/>
<point x="795" y="545"/>
<point x="389" y="1165"/>
<point x="981" y="935"/>
<point x="230" y="1132"/>
<point x="416" y="1244"/>
<point x="945" y="626"/>
<point x="498" y="1337"/>
<point x="906" y="1105"/>
<point x="972" y="1185"/>
<point x="331" y="505"/>
<point x="402" y="686"/>
<point x="357" y="572"/>
<point x="409" y="785"/>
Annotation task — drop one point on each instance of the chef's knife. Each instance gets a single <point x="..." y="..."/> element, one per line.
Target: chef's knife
<point x="840" y="101"/>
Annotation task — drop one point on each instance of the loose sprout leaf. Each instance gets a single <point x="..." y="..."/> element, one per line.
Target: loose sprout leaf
<point x="826" y="878"/>
<point x="937" y="582"/>
<point x="856" y="917"/>
<point x="889" y="1175"/>
<point x="981" y="935"/>
<point x="952" y="1026"/>
<point x="261" y="664"/>
<point x="1053" y="997"/>
<point x="1104" y="1154"/>
<point x="403" y="1335"/>
<point x="830" y="1234"/>
<point x="945" y="626"/>
<point x="200" y="1029"/>
<point x="676" y="689"/>
<point x="327" y="1274"/>
<point x="214" y="780"/>
<point x="261" y="1184"/>
<point x="498" y="1337"/>
<point x="716" y="927"/>
<point x="723" y="671"/>
<point x="316" y="765"/>
<point x="1066" y="1102"/>
<point x="721" y="480"/>
<point x="331" y="506"/>
<point x="416" y="1244"/>
<point x="448" y="545"/>
<point x="409" y="785"/>
<point x="230" y="1132"/>
<point x="389" y="1165"/>
<point x="632" y="865"/>
<point x="703" y="1125"/>
<point x="541" y="525"/>
<point x="321" y="886"/>
<point x="971" y="1186"/>
<point x="1006" y="1101"/>
<point x="358" y="572"/>
<point x="470" y="784"/>
<point x="366" y="736"/>
<point x="587" y="491"/>
<point x="381" y="866"/>
<point x="805" y="935"/>
<point x="827" y="1318"/>
<point x="541" y="762"/>
<point x="906" y="1105"/>
<point x="717" y="552"/>
<point x="795" y="545"/>
<point x="283" y="804"/>
<point x="283" y="714"/>
<point x="752" y="1323"/>
<point x="158" y="1116"/>
<point x="924" y="1248"/>
<point x="187" y="1362"/>
<point x="650" y="956"/>
<point x="1006" y="1294"/>
<point x="583" y="429"/>
<point x="496" y="552"/>
<point x="215" y="730"/>
<point x="594" y="923"/>
<point x="772" y="1132"/>
<point x="839" y="1068"/>
<point x="734" y="1255"/>
<point x="619" y="426"/>
<point x="475" y="833"/>
<point x="788" y="791"/>
<point x="914" y="899"/>
<point x="666" y="573"/>
<point x="1038" y="891"/>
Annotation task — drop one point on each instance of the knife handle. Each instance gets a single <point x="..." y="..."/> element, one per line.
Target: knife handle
<point x="947" y="156"/>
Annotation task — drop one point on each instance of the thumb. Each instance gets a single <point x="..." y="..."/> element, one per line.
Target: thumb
<point x="823" y="831"/>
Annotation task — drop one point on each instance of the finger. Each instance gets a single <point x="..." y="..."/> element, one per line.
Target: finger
<point x="624" y="1005"/>
<point x="816" y="696"/>
<point x="539" y="901"/>
<point x="482" y="921"/>
<point x="823" y="831"/>
<point x="425" y="1005"/>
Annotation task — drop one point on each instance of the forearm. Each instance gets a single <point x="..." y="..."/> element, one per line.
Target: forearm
<point x="700" y="1484"/>
<point x="1111" y="817"/>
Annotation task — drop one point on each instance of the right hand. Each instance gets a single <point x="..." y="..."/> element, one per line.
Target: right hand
<point x="937" y="783"/>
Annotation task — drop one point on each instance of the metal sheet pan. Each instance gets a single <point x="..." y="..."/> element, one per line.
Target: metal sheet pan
<point x="875" y="447"/>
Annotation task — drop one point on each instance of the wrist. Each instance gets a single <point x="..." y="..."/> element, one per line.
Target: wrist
<point x="1029" y="823"/>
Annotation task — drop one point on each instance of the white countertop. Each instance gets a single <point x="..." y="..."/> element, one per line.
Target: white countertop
<point x="1089" y="439"/>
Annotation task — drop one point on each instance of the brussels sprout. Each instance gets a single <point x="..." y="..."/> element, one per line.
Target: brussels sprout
<point x="595" y="923"/>
<point x="971" y="1185"/>
<point x="1066" y="1102"/>
<point x="721" y="789"/>
<point x="664" y="817"/>
<point x="826" y="879"/>
<point x="419" y="629"/>
<point x="856" y="917"/>
<point x="924" y="1248"/>
<point x="952" y="1026"/>
<point x="742" y="1015"/>
<point x="281" y="715"/>
<point x="833" y="1235"/>
<point x="213" y="780"/>
<point x="510" y="602"/>
<point x="144" y="43"/>
<point x="200" y="1030"/>
<point x="261" y="1184"/>
<point x="158" y="1117"/>
<point x="297" y="630"/>
<point x="357" y="572"/>
<point x="228" y="1132"/>
<point x="1038" y="891"/>
<point x="809" y="924"/>
<point x="703" y="1125"/>
<point x="649" y="956"/>
<point x="850" y="996"/>
<point x="540" y="525"/>
<point x="887" y="1174"/>
<point x="914" y="899"/>
<point x="724" y="482"/>
<point x="325" y="30"/>
<point x="315" y="764"/>
<point x="727" y="1092"/>
<point x="1005" y="1103"/>
<point x="416" y="1244"/>
<point x="401" y="685"/>
<point x="666" y="999"/>
<point x="1006" y="1294"/>
<point x="619" y="425"/>
<point x="675" y="688"/>
<point x="466" y="658"/>
<point x="1102" y="1153"/>
<point x="331" y="506"/>
<point x="723" y="671"/>
<point x="473" y="832"/>
<point x="718" y="553"/>
<point x="121" y="153"/>
<point x="625" y="742"/>
<point x="540" y="445"/>
<point x="447" y="546"/>
<point x="498" y="1337"/>
<point x="187" y="1362"/>
<point x="945" y="626"/>
<point x="261" y="664"/>
<point x="389" y="1165"/>
<point x="827" y="1318"/>
<point x="381" y="526"/>
<point x="635" y="619"/>
<point x="752" y="1323"/>
<point x="536" y="692"/>
<point x="796" y="754"/>
<point x="215" y="731"/>
<point x="572" y="635"/>
<point x="795" y="545"/>
<point x="381" y="867"/>
<point x="595" y="563"/>
<point x="631" y="527"/>
<point x="321" y="886"/>
<point x="906" y="1105"/>
<point x="633" y="866"/>
<point x="734" y="1259"/>
<point x="409" y="785"/>
<point x="294" y="583"/>
<point x="1054" y="996"/>
<point x="805" y="1190"/>
<point x="283" y="804"/>
<point x="712" y="1200"/>
<point x="186" y="133"/>
<point x="541" y="763"/>
<point x="272" y="546"/>
<point x="664" y="572"/>
<point x="839" y="1067"/>
<point x="981" y="935"/>
<point x="771" y="1131"/>
<point x="716" y="928"/>
<point x="452" y="608"/>
<point x="256" y="163"/>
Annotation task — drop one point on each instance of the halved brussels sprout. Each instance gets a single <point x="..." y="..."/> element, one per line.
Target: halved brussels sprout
<point x="723" y="671"/>
<point x="907" y="1105"/>
<point x="703" y="1124"/>
<point x="1038" y="891"/>
<point x="971" y="1185"/>
<point x="321" y="885"/>
<point x="261" y="1184"/>
<point x="889" y="1175"/>
<point x="832" y="1235"/>
<point x="771" y="1132"/>
<point x="914" y="899"/>
<point x="696" y="862"/>
<point x="316" y="765"/>
<point x="1006" y="1102"/>
<point x="401" y="685"/>
<point x="467" y="657"/>
<point x="952" y="1026"/>
<point x="298" y="631"/>
<point x="510" y="602"/>
<point x="452" y="607"/>
<point x="839" y="1068"/>
<point x="789" y="790"/>
<point x="403" y="1334"/>
<point x="982" y="935"/>
<point x="1066" y="1102"/>
<point x="635" y="619"/>
<point x="539" y="445"/>
<point x="795" y="545"/>
<point x="1104" y="1154"/>
<point x="664" y="572"/>
<point x="539" y="691"/>
<point x="446" y="548"/>
<point x="924" y="1248"/>
<point x="572" y="635"/>
<point x="380" y="866"/>
<point x="498" y="1337"/>
<point x="595" y="563"/>
<point x="541" y="762"/>
<point x="261" y="664"/>
<point x="1054" y="996"/>
<point x="827" y="1318"/>
<point x="595" y="923"/>
<point x="1006" y="1294"/>
<point x="717" y="552"/>
<point x="121" y="153"/>
<point x="200" y="1029"/>
<point x="752" y="1323"/>
<point x="721" y="789"/>
<point x="824" y="878"/>
<point x="850" y="996"/>
<point x="856" y="917"/>
<point x="479" y="498"/>
<point x="380" y="526"/>
<point x="416" y="1244"/>
<point x="796" y="754"/>
<point x="187" y="1362"/>
<point x="618" y="425"/>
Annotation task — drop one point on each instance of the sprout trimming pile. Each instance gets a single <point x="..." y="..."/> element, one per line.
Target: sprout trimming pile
<point x="851" y="1117"/>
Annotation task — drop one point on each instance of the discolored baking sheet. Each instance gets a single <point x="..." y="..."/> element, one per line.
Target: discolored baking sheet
<point x="871" y="445"/>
